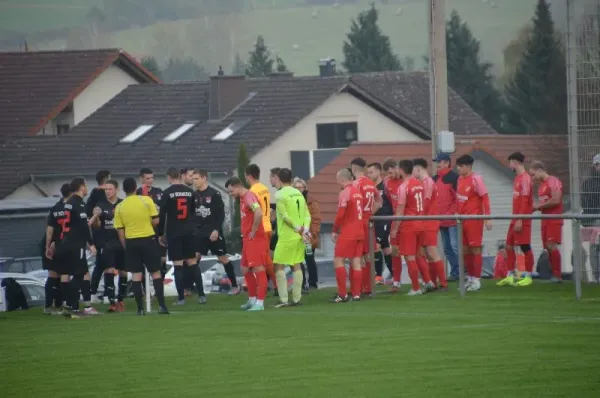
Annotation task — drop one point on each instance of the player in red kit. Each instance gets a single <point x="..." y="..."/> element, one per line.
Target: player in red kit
<point x="406" y="235"/>
<point x="473" y="199"/>
<point x="371" y="203"/>
<point x="254" y="241"/>
<point x="429" y="237"/>
<point x="519" y="231"/>
<point x="392" y="184"/>
<point x="348" y="236"/>
<point x="550" y="195"/>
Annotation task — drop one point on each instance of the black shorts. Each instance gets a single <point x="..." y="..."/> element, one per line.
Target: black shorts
<point x="140" y="252"/>
<point x="113" y="256"/>
<point x="382" y="235"/>
<point x="48" y="264"/>
<point x="70" y="260"/>
<point x="181" y="247"/>
<point x="217" y="248"/>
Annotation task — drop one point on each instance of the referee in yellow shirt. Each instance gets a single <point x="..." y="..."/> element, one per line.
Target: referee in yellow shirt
<point x="135" y="219"/>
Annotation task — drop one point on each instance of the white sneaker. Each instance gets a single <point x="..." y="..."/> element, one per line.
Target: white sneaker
<point x="414" y="293"/>
<point x="96" y="300"/>
<point x="474" y="286"/>
<point x="468" y="283"/>
<point x="106" y="301"/>
<point x="90" y="311"/>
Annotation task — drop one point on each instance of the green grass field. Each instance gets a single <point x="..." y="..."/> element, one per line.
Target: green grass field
<point x="500" y="342"/>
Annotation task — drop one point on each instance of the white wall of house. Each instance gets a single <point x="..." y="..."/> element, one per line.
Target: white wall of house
<point x="339" y="108"/>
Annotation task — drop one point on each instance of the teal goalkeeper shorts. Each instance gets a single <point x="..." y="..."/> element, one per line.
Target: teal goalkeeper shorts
<point x="289" y="252"/>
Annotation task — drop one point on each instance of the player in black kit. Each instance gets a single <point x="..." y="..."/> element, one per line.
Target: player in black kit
<point x="382" y="228"/>
<point x="176" y="215"/>
<point x="96" y="196"/>
<point x="51" y="263"/>
<point x="110" y="249"/>
<point x="210" y="215"/>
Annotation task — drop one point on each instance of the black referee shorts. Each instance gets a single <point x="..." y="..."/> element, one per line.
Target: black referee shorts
<point x="140" y="252"/>
<point x="205" y="245"/>
<point x="382" y="234"/>
<point x="181" y="247"/>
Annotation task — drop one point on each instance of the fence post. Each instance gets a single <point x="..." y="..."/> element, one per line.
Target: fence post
<point x="577" y="258"/>
<point x="372" y="255"/>
<point x="461" y="258"/>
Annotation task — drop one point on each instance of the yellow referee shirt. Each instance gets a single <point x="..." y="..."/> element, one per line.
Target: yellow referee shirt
<point x="264" y="197"/>
<point x="135" y="214"/>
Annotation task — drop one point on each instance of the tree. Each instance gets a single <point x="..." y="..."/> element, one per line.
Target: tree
<point x="537" y="94"/>
<point x="260" y="62"/>
<point x="239" y="66"/>
<point x="281" y="66"/>
<point x="152" y="66"/>
<point x="367" y="48"/>
<point x="468" y="75"/>
<point x="183" y="69"/>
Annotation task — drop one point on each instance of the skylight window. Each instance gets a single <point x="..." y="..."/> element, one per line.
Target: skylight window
<point x="184" y="128"/>
<point x="231" y="130"/>
<point x="137" y="133"/>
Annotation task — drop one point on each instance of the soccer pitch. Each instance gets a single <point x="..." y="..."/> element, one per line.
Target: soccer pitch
<point x="500" y="342"/>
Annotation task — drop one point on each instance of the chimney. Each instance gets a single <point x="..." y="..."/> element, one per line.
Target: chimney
<point x="226" y="92"/>
<point x="275" y="75"/>
<point x="326" y="67"/>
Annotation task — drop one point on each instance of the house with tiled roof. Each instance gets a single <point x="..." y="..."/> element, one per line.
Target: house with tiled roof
<point x="284" y="121"/>
<point x="490" y="153"/>
<point x="48" y="93"/>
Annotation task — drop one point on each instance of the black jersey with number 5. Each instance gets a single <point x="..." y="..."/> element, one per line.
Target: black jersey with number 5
<point x="176" y="210"/>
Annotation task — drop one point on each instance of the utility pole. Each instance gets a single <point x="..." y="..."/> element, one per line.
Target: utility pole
<point x="438" y="71"/>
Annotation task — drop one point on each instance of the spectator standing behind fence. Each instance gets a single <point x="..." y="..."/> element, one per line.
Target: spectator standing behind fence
<point x="446" y="181"/>
<point x="590" y="204"/>
<point x="315" y="229"/>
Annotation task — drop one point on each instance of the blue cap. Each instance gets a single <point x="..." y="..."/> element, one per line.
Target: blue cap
<point x="441" y="157"/>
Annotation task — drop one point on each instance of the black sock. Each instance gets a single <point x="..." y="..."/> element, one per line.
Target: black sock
<point x="76" y="283"/>
<point x="137" y="293"/>
<point x="57" y="293"/>
<point x="189" y="278"/>
<point x="96" y="277"/>
<point x="378" y="263"/>
<point x="122" y="287"/>
<point x="109" y="287"/>
<point x="304" y="281"/>
<point x="180" y="282"/>
<point x="198" y="279"/>
<point x="65" y="293"/>
<point x="388" y="263"/>
<point x="159" y="291"/>
<point x="193" y="274"/>
<point x="49" y="291"/>
<point x="230" y="274"/>
<point x="86" y="291"/>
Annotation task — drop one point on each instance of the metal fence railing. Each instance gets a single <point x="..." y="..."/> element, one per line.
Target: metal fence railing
<point x="576" y="225"/>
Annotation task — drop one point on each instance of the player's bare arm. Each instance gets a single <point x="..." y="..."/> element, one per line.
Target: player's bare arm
<point x="396" y="223"/>
<point x="121" y="233"/>
<point x="257" y="220"/>
<point x="554" y="200"/>
<point x="49" y="250"/>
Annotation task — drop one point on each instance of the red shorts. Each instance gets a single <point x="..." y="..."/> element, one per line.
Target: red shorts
<point x="408" y="242"/>
<point x="523" y="237"/>
<point x="348" y="248"/>
<point x="366" y="241"/>
<point x="551" y="232"/>
<point x="429" y="238"/>
<point x="253" y="253"/>
<point x="472" y="233"/>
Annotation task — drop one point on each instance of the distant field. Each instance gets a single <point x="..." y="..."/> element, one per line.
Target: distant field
<point x="299" y="35"/>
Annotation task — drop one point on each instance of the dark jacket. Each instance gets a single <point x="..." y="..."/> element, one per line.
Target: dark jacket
<point x="315" y="219"/>
<point x="590" y="196"/>
<point x="446" y="181"/>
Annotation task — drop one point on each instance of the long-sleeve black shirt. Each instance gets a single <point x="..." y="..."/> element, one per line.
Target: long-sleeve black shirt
<point x="75" y="227"/>
<point x="386" y="208"/>
<point x="97" y="196"/>
<point x="210" y="211"/>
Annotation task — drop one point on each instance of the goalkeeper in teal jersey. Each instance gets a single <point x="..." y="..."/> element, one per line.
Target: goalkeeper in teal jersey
<point x="293" y="222"/>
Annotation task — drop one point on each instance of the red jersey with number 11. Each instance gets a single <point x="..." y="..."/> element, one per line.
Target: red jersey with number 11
<point x="370" y="194"/>
<point x="349" y="222"/>
<point x="248" y="203"/>
<point x="411" y="195"/>
<point x="430" y="203"/>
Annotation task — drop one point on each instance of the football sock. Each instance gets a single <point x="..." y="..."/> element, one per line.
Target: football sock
<point x="49" y="291"/>
<point x="197" y="274"/>
<point x="96" y="277"/>
<point x="251" y="284"/>
<point x="357" y="279"/>
<point x="75" y="284"/>
<point x="230" y="274"/>
<point x="388" y="263"/>
<point x="469" y="264"/>
<point x="159" y="292"/>
<point x="413" y="273"/>
<point x="477" y="265"/>
<point x="86" y="292"/>
<point x="282" y="286"/>
<point x="57" y="291"/>
<point x="122" y="287"/>
<point x="340" y="278"/>
<point x="261" y="285"/>
<point x="555" y="263"/>
<point x="189" y="276"/>
<point x="350" y="276"/>
<point x="304" y="282"/>
<point x="366" y="277"/>
<point x="378" y="263"/>
<point x="423" y="269"/>
<point x="433" y="274"/>
<point x="65" y="293"/>
<point x="297" y="286"/>
<point x="109" y="286"/>
<point x="529" y="261"/>
<point x="270" y="270"/>
<point x="137" y="293"/>
<point x="511" y="260"/>
<point x="397" y="268"/>
<point x="440" y="272"/>
<point x="179" y="282"/>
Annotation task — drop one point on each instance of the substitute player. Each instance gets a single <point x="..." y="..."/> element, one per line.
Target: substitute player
<point x="429" y="237"/>
<point x="392" y="184"/>
<point x="550" y="195"/>
<point x="177" y="210"/>
<point x="252" y="175"/>
<point x="382" y="228"/>
<point x="473" y="199"/>
<point x="293" y="224"/>
<point x="371" y="203"/>
<point x="406" y="234"/>
<point x="254" y="242"/>
<point x="349" y="237"/>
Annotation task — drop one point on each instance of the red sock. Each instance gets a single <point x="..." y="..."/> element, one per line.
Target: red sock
<point x="477" y="265"/>
<point x="433" y="273"/>
<point x="250" y="283"/>
<point x="261" y="284"/>
<point x="270" y="270"/>
<point x="397" y="268"/>
<point x="440" y="272"/>
<point x="366" y="278"/>
<point x="423" y="269"/>
<point x="529" y="261"/>
<point x="469" y="264"/>
<point x="340" y="278"/>
<point x="351" y="277"/>
<point x="555" y="263"/>
<point x="511" y="260"/>
<point x="356" y="279"/>
<point x="413" y="272"/>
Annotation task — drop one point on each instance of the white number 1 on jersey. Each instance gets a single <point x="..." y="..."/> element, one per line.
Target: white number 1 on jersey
<point x="419" y="200"/>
